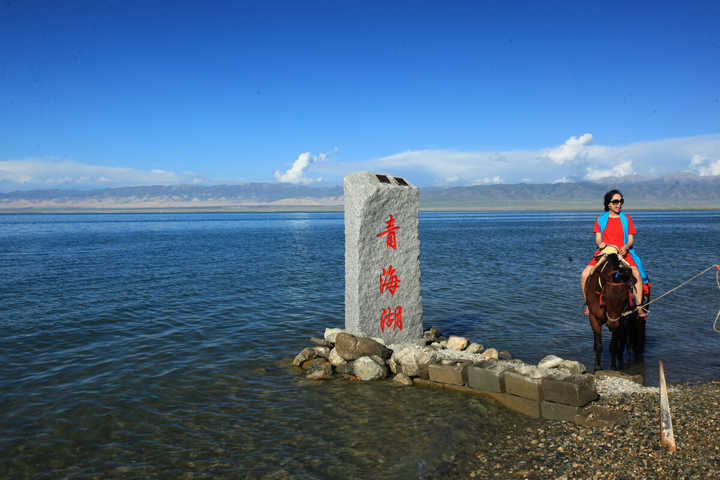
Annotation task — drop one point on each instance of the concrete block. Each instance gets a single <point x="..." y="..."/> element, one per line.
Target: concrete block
<point x="525" y="406"/>
<point x="382" y="258"/>
<point x="559" y="411"/>
<point x="452" y="374"/>
<point x="523" y="386"/>
<point x="577" y="390"/>
<point x="490" y="378"/>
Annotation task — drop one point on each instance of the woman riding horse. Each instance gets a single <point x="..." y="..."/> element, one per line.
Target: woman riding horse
<point x="615" y="227"/>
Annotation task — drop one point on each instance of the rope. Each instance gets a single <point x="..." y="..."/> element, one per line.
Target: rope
<point x="717" y="279"/>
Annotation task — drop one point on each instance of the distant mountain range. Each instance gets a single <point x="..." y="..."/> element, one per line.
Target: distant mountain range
<point x="678" y="191"/>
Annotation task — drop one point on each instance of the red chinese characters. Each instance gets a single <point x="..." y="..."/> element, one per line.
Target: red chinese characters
<point x="391" y="239"/>
<point x="389" y="318"/>
<point x="390" y="281"/>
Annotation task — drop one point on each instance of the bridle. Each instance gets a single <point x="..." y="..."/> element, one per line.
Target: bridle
<point x="613" y="274"/>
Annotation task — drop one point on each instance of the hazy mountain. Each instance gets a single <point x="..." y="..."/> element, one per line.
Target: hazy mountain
<point x="671" y="191"/>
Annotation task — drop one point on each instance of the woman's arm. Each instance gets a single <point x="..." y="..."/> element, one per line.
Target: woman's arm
<point x="598" y="241"/>
<point x="628" y="245"/>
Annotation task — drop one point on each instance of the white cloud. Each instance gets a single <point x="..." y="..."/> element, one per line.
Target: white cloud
<point x="572" y="150"/>
<point x="297" y="173"/>
<point x="488" y="181"/>
<point x="704" y="166"/>
<point x="53" y="173"/>
<point x="562" y="180"/>
<point x="619" y="170"/>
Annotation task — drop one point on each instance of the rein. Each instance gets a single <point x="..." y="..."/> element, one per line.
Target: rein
<point x="717" y="279"/>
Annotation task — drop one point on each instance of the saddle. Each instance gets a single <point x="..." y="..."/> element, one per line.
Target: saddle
<point x="608" y="250"/>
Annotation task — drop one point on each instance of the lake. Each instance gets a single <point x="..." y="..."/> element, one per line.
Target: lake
<point x="158" y="345"/>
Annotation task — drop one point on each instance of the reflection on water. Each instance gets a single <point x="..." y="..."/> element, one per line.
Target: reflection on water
<point x="156" y="345"/>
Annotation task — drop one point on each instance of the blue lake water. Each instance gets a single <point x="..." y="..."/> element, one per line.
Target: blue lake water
<point x="157" y="345"/>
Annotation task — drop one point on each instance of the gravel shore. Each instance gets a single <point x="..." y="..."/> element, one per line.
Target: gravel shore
<point x="563" y="450"/>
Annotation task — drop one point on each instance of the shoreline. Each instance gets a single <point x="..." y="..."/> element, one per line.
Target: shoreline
<point x="321" y="209"/>
<point x="564" y="450"/>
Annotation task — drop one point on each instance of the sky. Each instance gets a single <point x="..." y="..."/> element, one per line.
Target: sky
<point x="107" y="93"/>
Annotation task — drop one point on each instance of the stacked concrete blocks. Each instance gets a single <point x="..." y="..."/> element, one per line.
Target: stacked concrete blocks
<point x="537" y="392"/>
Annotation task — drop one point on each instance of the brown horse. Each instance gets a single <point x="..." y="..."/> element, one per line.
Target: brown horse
<point x="609" y="292"/>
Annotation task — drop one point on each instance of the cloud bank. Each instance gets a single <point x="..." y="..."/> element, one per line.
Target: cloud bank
<point x="578" y="158"/>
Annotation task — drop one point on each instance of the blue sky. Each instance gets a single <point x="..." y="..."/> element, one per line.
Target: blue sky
<point x="110" y="93"/>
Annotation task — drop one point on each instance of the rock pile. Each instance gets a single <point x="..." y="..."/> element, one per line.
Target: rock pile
<point x="554" y="388"/>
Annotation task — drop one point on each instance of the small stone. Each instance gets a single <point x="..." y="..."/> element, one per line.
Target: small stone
<point x="475" y="348"/>
<point x="504" y="355"/>
<point x="331" y="334"/>
<point x="550" y="361"/>
<point x="576" y="368"/>
<point x="321" y="342"/>
<point x="366" y="369"/>
<point x="491" y="353"/>
<point x="432" y="335"/>
<point x="412" y="360"/>
<point x="335" y="359"/>
<point x="311" y="363"/>
<point x="320" y="371"/>
<point x="457" y="343"/>
<point x="323" y="352"/>
<point x="447" y="361"/>
<point x="305" y="355"/>
<point x="345" y="368"/>
<point x="393" y="365"/>
<point x="402" y="379"/>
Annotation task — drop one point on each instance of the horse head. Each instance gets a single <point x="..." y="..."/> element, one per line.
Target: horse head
<point x="615" y="282"/>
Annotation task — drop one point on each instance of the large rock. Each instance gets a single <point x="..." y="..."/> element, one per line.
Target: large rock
<point x="457" y="343"/>
<point x="368" y="368"/>
<point x="305" y="355"/>
<point x="351" y="347"/>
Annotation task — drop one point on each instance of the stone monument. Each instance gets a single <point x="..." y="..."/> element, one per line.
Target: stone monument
<point x="382" y="258"/>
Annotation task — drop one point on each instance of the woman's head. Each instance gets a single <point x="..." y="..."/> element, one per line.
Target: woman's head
<point x="613" y="195"/>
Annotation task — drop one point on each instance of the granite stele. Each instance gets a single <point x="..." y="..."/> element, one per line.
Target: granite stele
<point x="382" y="258"/>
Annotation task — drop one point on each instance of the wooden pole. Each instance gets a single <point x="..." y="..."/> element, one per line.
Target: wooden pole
<point x="667" y="438"/>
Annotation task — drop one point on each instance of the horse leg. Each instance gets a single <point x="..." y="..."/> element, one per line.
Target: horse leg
<point x="622" y="342"/>
<point x="597" y="334"/>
